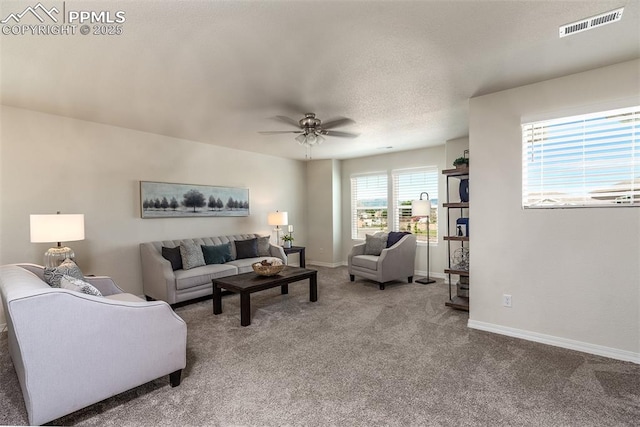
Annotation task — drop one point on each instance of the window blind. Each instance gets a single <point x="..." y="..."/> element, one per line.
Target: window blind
<point x="368" y="204"/>
<point x="582" y="161"/>
<point x="408" y="184"/>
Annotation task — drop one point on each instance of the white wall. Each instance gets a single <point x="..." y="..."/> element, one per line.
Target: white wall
<point x="387" y="163"/>
<point x="50" y="163"/>
<point x="573" y="274"/>
<point x="323" y="212"/>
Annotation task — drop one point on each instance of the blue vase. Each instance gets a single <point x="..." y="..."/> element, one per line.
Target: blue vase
<point x="464" y="190"/>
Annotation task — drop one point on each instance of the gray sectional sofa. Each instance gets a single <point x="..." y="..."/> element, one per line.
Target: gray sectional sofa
<point x="161" y="282"/>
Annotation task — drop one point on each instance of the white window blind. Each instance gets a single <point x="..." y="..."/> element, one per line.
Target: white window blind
<point x="368" y="204"/>
<point x="582" y="161"/>
<point x="407" y="186"/>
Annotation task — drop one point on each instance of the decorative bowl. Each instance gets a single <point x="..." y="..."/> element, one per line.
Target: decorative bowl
<point x="267" y="270"/>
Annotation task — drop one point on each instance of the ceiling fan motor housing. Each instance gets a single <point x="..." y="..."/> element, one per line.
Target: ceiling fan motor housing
<point x="309" y="121"/>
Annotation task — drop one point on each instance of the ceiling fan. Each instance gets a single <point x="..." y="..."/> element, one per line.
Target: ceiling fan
<point x="312" y="130"/>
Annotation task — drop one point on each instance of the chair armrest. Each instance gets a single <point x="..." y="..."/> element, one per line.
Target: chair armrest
<point x="355" y="250"/>
<point x="104" y="284"/>
<point x="400" y="256"/>
<point x="358" y="249"/>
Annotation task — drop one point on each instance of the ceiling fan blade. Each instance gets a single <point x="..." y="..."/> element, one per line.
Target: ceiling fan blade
<point x="340" y="121"/>
<point x="287" y="120"/>
<point x="340" y="134"/>
<point x="273" y="132"/>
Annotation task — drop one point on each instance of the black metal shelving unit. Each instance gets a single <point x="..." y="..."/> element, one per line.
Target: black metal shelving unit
<point x="455" y="301"/>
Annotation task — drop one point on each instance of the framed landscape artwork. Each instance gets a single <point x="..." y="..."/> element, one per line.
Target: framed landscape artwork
<point x="166" y="200"/>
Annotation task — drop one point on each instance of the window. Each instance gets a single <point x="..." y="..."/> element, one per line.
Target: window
<point x="368" y="205"/>
<point x="407" y="186"/>
<point x="582" y="161"/>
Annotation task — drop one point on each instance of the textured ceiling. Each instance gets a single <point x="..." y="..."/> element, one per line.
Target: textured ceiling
<point x="216" y="71"/>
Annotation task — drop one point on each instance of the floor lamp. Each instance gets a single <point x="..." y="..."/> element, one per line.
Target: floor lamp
<point x="422" y="208"/>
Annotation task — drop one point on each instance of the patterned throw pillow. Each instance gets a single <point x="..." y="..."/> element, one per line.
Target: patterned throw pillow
<point x="77" y="285"/>
<point x="246" y="248"/>
<point x="375" y="243"/>
<point x="191" y="255"/>
<point x="263" y="246"/>
<point x="218" y="254"/>
<point x="53" y="275"/>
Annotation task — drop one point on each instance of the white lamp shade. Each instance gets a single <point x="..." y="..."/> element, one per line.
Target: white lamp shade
<point x="421" y="207"/>
<point x="278" y="218"/>
<point x="57" y="228"/>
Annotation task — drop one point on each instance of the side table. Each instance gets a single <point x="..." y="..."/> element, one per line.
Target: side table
<point x="295" y="250"/>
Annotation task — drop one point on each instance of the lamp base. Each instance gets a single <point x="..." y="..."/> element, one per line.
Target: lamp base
<point x="55" y="256"/>
<point x="425" y="281"/>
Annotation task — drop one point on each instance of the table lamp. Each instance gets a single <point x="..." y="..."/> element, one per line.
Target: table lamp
<point x="278" y="218"/>
<point x="57" y="228"/>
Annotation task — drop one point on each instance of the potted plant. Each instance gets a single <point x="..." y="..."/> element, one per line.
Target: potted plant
<point x="287" y="240"/>
<point x="461" y="162"/>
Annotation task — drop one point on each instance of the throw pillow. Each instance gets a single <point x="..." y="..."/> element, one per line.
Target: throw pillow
<point x="246" y="248"/>
<point x="73" y="284"/>
<point x="264" y="245"/>
<point x="53" y="275"/>
<point x="191" y="255"/>
<point x="374" y="244"/>
<point x="174" y="257"/>
<point x="218" y="254"/>
<point x="395" y="236"/>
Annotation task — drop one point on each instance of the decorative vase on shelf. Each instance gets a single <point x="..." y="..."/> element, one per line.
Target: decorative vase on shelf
<point x="464" y="190"/>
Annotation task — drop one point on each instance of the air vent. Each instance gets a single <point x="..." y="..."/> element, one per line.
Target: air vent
<point x="590" y="23"/>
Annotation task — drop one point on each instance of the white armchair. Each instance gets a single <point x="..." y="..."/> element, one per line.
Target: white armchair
<point x="71" y="350"/>
<point x="394" y="263"/>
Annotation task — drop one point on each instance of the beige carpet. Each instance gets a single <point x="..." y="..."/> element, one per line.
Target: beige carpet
<point x="360" y="356"/>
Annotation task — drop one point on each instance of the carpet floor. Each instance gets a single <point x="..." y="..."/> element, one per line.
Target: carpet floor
<point x="359" y="357"/>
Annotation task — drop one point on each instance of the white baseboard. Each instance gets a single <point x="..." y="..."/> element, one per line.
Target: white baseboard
<point x="419" y="273"/>
<point x="599" y="350"/>
<point x="325" y="264"/>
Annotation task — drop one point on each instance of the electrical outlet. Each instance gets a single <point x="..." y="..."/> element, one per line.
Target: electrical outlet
<point x="506" y="300"/>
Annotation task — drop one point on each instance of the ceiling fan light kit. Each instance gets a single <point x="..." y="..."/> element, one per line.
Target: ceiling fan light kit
<point x="312" y="130"/>
<point x="309" y="139"/>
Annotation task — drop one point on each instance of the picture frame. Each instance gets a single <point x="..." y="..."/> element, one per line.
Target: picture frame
<point x="171" y="200"/>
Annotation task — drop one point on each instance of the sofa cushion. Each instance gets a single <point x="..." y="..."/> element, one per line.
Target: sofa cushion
<point x="263" y="246"/>
<point x="216" y="254"/>
<point x="202" y="275"/>
<point x="365" y="261"/>
<point x="77" y="285"/>
<point x="174" y="257"/>
<point x="395" y="236"/>
<point x="53" y="275"/>
<point x="246" y="248"/>
<point x="191" y="255"/>
<point x="375" y="243"/>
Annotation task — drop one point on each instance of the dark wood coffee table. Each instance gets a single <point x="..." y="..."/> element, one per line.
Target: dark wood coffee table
<point x="248" y="283"/>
